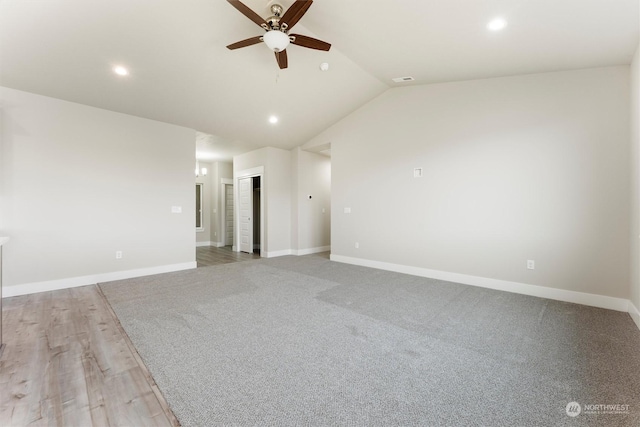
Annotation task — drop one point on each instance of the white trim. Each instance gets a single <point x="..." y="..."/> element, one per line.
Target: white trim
<point x="274" y="254"/>
<point x="246" y="173"/>
<point x="258" y="171"/>
<point x="226" y="181"/>
<point x="217" y="244"/>
<point x="73" y="282"/>
<point x="602" y="301"/>
<point x="309" y="251"/>
<point x="634" y="313"/>
<point x="199" y="244"/>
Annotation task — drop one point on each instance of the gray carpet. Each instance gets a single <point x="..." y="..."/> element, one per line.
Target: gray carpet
<point x="307" y="341"/>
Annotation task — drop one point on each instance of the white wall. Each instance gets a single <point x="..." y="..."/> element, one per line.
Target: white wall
<point x="635" y="187"/>
<point x="278" y="200"/>
<point x="310" y="226"/>
<point x="518" y="168"/>
<point x="276" y="186"/>
<point x="80" y="183"/>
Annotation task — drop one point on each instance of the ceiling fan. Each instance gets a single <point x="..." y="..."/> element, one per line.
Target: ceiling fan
<point x="277" y="27"/>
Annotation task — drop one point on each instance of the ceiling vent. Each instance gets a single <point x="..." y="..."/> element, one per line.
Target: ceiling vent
<point x="403" y="79"/>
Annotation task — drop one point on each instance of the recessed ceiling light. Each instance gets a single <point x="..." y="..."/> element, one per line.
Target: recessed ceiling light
<point x="497" y="24"/>
<point x="120" y="70"/>
<point x="273" y="120"/>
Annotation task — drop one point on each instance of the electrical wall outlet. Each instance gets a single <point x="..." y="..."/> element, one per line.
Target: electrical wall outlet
<point x="531" y="264"/>
<point x="215" y="233"/>
<point x="118" y="254"/>
<point x="357" y="245"/>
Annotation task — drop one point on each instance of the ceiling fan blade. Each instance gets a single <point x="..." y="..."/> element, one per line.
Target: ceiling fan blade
<point x="294" y="13"/>
<point x="310" y="42"/>
<point x="281" y="57"/>
<point x="242" y="8"/>
<point x="245" y="43"/>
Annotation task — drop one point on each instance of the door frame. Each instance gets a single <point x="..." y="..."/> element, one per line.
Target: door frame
<point x="248" y="173"/>
<point x="247" y="217"/>
<point x="223" y="211"/>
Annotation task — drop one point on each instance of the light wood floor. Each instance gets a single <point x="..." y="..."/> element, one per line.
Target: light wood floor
<point x="210" y="255"/>
<point x="68" y="362"/>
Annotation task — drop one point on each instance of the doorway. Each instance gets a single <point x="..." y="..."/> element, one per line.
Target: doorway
<point x="249" y="194"/>
<point x="256" y="213"/>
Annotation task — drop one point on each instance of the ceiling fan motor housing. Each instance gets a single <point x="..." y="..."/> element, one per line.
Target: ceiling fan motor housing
<point x="274" y="21"/>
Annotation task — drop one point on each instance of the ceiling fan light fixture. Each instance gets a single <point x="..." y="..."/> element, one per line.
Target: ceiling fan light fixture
<point x="277" y="29"/>
<point x="277" y="41"/>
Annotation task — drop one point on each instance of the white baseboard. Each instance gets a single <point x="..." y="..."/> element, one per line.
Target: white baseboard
<point x="214" y="244"/>
<point x="73" y="282"/>
<point x="274" y="254"/>
<point x="297" y="252"/>
<point x="310" y="251"/>
<point x="601" y="301"/>
<point x="634" y="313"/>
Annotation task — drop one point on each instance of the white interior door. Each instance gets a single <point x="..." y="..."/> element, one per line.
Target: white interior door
<point x="228" y="223"/>
<point x="246" y="212"/>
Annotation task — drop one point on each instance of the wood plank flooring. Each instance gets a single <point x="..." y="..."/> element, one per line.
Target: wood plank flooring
<point x="210" y="255"/>
<point x="69" y="363"/>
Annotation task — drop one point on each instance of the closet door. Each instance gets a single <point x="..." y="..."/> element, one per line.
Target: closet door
<point x="245" y="194"/>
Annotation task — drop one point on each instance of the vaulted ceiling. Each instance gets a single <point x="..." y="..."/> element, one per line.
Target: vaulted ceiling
<point x="182" y="73"/>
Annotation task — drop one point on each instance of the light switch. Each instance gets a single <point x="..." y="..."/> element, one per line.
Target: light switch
<point x="347" y="210"/>
<point x="176" y="209"/>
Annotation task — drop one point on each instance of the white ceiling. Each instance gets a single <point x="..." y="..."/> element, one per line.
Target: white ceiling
<point x="182" y="73"/>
